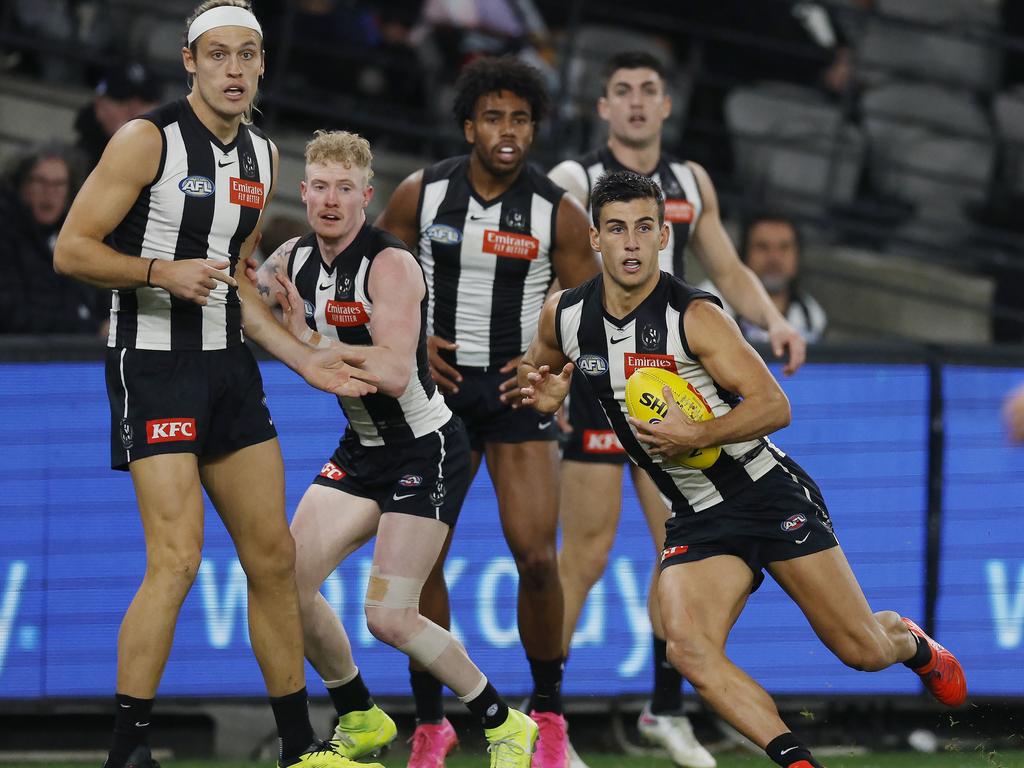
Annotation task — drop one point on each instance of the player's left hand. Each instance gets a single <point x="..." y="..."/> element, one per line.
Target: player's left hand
<point x="510" y="392"/>
<point x="336" y="370"/>
<point x="784" y="336"/>
<point x="293" y="308"/>
<point x="676" y="435"/>
<point x="545" y="390"/>
<point x="251" y="267"/>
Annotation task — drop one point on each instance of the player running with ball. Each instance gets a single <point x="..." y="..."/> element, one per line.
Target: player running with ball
<point x="728" y="521"/>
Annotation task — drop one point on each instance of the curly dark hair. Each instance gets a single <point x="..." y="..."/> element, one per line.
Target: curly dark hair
<point x="500" y="73"/>
<point x="621" y="187"/>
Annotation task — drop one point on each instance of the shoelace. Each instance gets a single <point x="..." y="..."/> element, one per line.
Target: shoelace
<point x="321" y="747"/>
<point x="420" y="741"/>
<point x="506" y="752"/>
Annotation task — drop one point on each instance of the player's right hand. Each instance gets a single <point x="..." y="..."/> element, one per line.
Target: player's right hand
<point x="444" y="375"/>
<point x="546" y="390"/>
<point x="191" y="279"/>
<point x="251" y="267"/>
<point x="336" y="370"/>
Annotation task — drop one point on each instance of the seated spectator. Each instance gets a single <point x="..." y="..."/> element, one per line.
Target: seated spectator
<point x="126" y="92"/>
<point x="34" y="199"/>
<point x="770" y="246"/>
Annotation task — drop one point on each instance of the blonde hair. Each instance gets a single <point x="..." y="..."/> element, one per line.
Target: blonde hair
<point x="202" y="8"/>
<point x="349" y="149"/>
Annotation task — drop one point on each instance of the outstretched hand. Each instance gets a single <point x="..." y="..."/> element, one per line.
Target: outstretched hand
<point x="293" y="308"/>
<point x="783" y="336"/>
<point x="336" y="370"/>
<point x="545" y="390"/>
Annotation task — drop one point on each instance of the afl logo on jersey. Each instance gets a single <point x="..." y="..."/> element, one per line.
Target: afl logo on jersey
<point x="592" y="365"/>
<point x="442" y="233"/>
<point x="196" y="186"/>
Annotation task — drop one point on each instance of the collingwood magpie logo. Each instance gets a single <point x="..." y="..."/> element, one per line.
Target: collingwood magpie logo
<point x="649" y="337"/>
<point x="437" y="493"/>
<point x="127" y="434"/>
<point x="513" y="219"/>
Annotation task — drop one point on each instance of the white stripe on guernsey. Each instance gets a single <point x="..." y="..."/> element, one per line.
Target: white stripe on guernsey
<point x="166" y="208"/>
<point x="358" y="415"/>
<point x="538" y="276"/>
<point x="433" y="196"/>
<point x="225" y="224"/>
<point x="115" y="302"/>
<point x="440" y="471"/>
<point x="476" y="287"/>
<point x="665" y="254"/>
<point x="688" y="181"/>
<point x="570" y="322"/>
<point x="124" y="386"/>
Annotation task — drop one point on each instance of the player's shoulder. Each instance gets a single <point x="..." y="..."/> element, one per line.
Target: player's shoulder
<point x="445" y="169"/>
<point x="166" y="114"/>
<point x="582" y="292"/>
<point x="681" y="294"/>
<point x="379" y="240"/>
<point x="535" y="177"/>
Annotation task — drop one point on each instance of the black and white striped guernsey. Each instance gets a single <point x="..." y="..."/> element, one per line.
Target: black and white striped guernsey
<point x="205" y="201"/>
<point x="339" y="306"/>
<point x="487" y="263"/>
<point x="683" y="204"/>
<point x="606" y="351"/>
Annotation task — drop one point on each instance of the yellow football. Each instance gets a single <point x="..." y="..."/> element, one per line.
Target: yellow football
<point x="644" y="400"/>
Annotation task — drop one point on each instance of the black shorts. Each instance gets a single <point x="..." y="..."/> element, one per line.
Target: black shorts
<point x="427" y="478"/>
<point x="592" y="438"/>
<point x="204" y="402"/>
<point x="780" y="517"/>
<point x="488" y="420"/>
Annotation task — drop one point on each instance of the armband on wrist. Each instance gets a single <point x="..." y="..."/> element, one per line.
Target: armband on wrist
<point x="149" y="274"/>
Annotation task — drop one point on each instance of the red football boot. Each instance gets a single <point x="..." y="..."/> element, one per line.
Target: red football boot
<point x="942" y="676"/>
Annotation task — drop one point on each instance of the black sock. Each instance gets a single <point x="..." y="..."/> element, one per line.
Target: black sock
<point x="547" y="685"/>
<point x="921" y="656"/>
<point x="352" y="696"/>
<point x="427" y="693"/>
<point x="291" y="713"/>
<point x="667" y="697"/>
<point x="489" y="707"/>
<point x="786" y="750"/>
<point x="131" y="728"/>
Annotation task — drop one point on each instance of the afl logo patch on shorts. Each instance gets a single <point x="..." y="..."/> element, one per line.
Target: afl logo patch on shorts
<point x="410" y="481"/>
<point x="673" y="551"/>
<point x="442" y="233"/>
<point x="196" y="186"/>
<point x="793" y="523"/>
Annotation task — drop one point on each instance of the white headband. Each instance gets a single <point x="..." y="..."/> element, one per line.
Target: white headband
<point x="223" y="16"/>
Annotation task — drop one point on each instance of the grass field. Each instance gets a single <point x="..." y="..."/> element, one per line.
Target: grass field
<point x="973" y="759"/>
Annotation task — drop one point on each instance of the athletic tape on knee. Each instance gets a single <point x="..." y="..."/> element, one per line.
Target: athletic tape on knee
<point x="427" y="645"/>
<point x="392" y="591"/>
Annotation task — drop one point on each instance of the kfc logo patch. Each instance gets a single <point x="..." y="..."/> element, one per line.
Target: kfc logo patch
<point x="673" y="551"/>
<point x="170" y="430"/>
<point x="601" y="441"/>
<point x="332" y="471"/>
<point x="633" y="360"/>
<point x="247" y="193"/>
<point x="511" y="245"/>
<point x="346" y="313"/>
<point x="678" y="211"/>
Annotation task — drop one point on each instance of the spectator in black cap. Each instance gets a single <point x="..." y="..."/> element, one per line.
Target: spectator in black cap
<point x="125" y="92"/>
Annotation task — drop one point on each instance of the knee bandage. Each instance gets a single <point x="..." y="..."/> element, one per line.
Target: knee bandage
<point x="392" y="591"/>
<point x="427" y="645"/>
